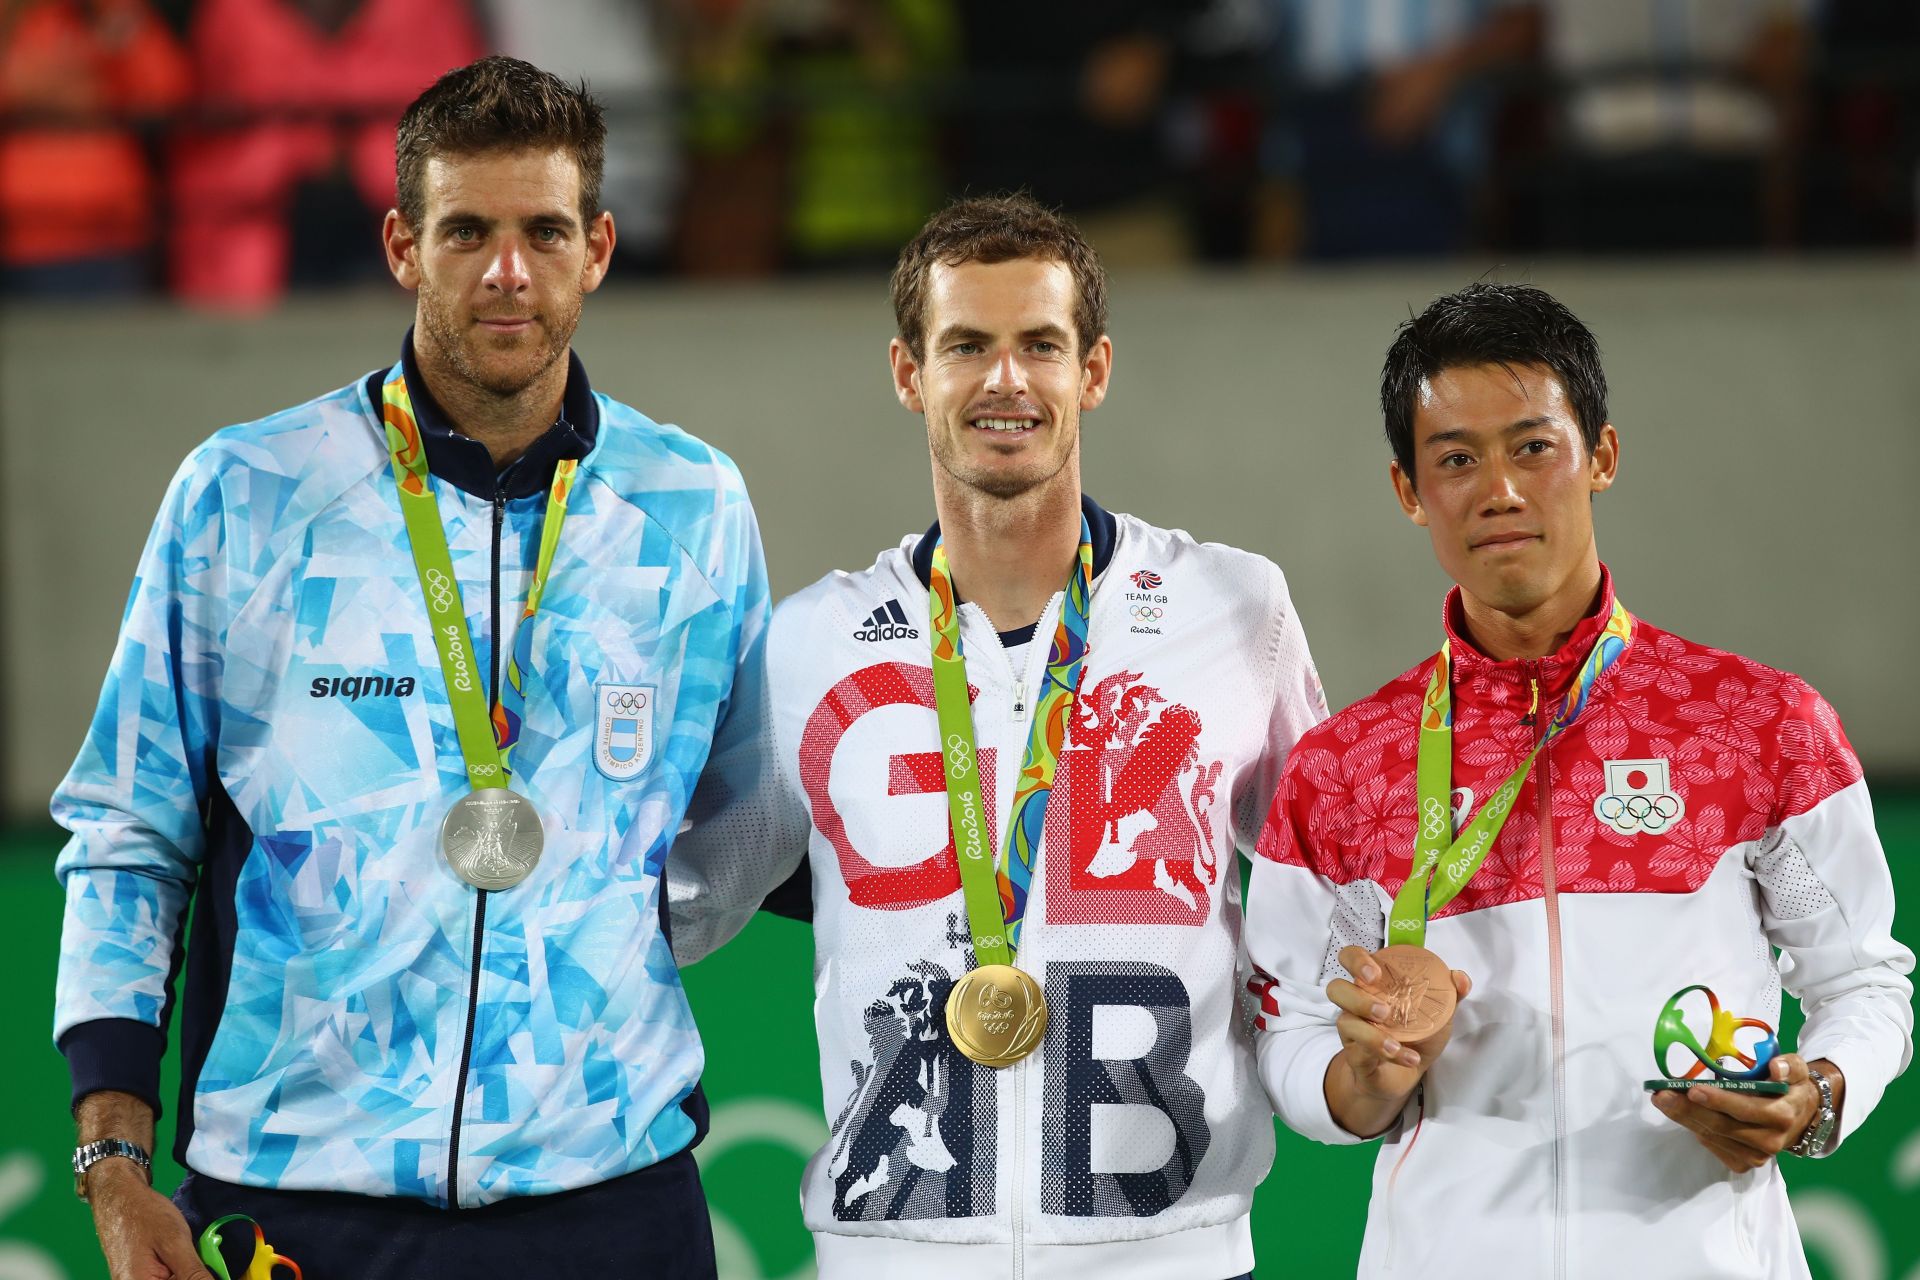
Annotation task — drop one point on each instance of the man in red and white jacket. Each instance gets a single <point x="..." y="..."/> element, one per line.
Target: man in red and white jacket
<point x="1129" y="1143"/>
<point x="1701" y="820"/>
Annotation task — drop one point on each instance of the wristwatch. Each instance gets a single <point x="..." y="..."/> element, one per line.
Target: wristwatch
<point x="1813" y="1143"/>
<point x="84" y="1158"/>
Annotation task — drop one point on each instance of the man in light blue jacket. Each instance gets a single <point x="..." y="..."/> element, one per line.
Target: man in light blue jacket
<point x="408" y="701"/>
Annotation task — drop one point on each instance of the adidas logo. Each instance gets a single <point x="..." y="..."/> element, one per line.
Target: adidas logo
<point x="888" y="622"/>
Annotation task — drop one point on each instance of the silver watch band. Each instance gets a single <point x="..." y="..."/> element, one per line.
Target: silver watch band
<point x="1815" y="1140"/>
<point x="85" y="1157"/>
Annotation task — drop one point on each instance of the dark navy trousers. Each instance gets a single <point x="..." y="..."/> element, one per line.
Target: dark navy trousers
<point x="647" y="1224"/>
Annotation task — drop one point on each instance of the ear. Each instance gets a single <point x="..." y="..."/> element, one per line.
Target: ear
<point x="403" y="250"/>
<point x="600" y="238"/>
<point x="1604" y="465"/>
<point x="906" y="376"/>
<point x="1408" y="496"/>
<point x="1097" y="374"/>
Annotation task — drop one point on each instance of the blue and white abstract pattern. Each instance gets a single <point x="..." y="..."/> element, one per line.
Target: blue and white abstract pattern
<point x="276" y="573"/>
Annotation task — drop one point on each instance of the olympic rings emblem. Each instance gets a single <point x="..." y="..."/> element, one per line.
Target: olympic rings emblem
<point x="630" y="700"/>
<point x="1433" y="819"/>
<point x="959" y="756"/>
<point x="1147" y="612"/>
<point x="439" y="591"/>
<point x="483" y="770"/>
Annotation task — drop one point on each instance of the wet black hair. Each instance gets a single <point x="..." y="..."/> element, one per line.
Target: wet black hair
<point x="1491" y="323"/>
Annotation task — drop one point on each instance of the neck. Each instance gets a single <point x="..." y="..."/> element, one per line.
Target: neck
<point x="506" y="424"/>
<point x="1537" y="630"/>
<point x="1009" y="555"/>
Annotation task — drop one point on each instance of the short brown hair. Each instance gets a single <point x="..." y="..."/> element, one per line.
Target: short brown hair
<point x="997" y="229"/>
<point x="498" y="104"/>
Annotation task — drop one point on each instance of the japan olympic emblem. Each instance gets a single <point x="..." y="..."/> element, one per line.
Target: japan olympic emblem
<point x="1639" y="798"/>
<point x="623" y="729"/>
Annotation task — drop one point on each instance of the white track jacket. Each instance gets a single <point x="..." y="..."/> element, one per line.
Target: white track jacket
<point x="1129" y="1144"/>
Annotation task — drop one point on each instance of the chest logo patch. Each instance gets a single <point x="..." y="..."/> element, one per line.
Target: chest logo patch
<point x="1639" y="798"/>
<point x="623" y="729"/>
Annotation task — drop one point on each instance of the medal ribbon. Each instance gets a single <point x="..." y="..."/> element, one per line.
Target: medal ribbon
<point x="486" y="739"/>
<point x="1442" y="868"/>
<point x="996" y="904"/>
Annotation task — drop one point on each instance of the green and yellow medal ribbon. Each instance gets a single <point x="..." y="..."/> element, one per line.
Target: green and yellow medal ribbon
<point x="487" y="735"/>
<point x="1443" y="862"/>
<point x="996" y="904"/>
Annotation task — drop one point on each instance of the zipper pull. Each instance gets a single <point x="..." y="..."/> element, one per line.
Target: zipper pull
<point x="1019" y="701"/>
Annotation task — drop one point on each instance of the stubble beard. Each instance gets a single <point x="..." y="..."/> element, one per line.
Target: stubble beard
<point x="950" y="455"/>
<point x="457" y="343"/>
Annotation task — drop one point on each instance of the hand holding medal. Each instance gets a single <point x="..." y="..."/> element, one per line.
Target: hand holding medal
<point x="1397" y="1013"/>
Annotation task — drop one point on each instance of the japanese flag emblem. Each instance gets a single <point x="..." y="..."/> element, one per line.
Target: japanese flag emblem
<point x="1639" y="797"/>
<point x="623" y="729"/>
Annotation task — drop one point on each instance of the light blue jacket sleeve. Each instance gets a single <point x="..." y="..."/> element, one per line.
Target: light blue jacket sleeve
<point x="136" y="795"/>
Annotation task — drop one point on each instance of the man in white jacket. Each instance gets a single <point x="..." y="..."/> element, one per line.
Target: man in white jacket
<point x="1124" y="732"/>
<point x="1632" y="814"/>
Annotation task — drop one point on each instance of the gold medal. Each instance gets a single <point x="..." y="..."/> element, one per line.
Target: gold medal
<point x="996" y="1015"/>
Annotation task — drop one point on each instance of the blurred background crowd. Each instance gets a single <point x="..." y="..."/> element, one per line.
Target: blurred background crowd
<point x="225" y="151"/>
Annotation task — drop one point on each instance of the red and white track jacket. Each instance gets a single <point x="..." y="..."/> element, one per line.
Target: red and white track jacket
<point x="1129" y="1145"/>
<point x="1703" y="821"/>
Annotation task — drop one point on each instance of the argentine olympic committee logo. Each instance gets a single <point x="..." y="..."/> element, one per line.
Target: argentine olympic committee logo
<point x="623" y="729"/>
<point x="1639" y="797"/>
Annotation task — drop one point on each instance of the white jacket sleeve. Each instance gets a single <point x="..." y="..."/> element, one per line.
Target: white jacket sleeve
<point x="1297" y="921"/>
<point x="747" y="827"/>
<point x="1827" y="904"/>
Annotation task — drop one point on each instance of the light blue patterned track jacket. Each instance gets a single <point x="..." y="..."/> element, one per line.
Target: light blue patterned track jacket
<point x="273" y="744"/>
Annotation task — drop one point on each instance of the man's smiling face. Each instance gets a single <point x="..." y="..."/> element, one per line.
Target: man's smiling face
<point x="1002" y="382"/>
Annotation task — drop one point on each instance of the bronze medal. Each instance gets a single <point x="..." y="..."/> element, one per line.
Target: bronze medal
<point x="996" y="1015"/>
<point x="1417" y="988"/>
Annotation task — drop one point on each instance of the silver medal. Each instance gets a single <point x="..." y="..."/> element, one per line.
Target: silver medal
<point x="492" y="838"/>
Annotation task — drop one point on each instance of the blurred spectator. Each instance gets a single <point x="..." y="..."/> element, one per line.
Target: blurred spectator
<point x="1068" y="101"/>
<point x="731" y="210"/>
<point x="314" y="89"/>
<point x="615" y="46"/>
<point x="1863" y="157"/>
<point x="76" y="194"/>
<point x="1386" y="127"/>
<point x="866" y="171"/>
<point x="1680" y="122"/>
<point x="810" y="132"/>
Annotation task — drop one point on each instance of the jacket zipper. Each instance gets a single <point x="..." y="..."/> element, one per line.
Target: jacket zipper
<point x="1550" y="892"/>
<point x="480" y="900"/>
<point x="1020" y="1169"/>
<point x="1021" y="685"/>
